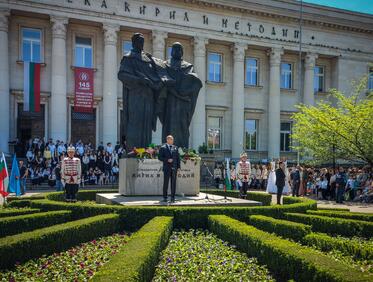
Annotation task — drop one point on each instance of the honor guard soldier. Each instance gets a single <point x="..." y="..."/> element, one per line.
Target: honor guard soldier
<point x="243" y="174"/>
<point x="71" y="174"/>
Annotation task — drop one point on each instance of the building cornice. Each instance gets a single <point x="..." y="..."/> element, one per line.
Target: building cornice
<point x="319" y="16"/>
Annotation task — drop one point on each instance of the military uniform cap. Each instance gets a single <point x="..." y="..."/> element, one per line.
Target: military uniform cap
<point x="243" y="155"/>
<point x="71" y="149"/>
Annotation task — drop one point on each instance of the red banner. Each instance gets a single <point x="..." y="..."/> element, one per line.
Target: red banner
<point x="83" y="90"/>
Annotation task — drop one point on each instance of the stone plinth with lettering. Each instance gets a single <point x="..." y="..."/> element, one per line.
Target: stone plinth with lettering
<point x="145" y="177"/>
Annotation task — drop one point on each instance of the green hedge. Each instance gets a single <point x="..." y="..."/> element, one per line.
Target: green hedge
<point x="33" y="197"/>
<point x="20" y="203"/>
<point x="264" y="198"/>
<point x="286" y="259"/>
<point x="350" y="247"/>
<point x="184" y="217"/>
<point x="15" y="212"/>
<point x="283" y="228"/>
<point x="333" y="209"/>
<point x="334" y="226"/>
<point x="45" y="241"/>
<point x="348" y="215"/>
<point x="18" y="224"/>
<point x="136" y="260"/>
<point x="83" y="195"/>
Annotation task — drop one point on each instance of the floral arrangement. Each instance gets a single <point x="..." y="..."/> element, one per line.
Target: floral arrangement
<point x="76" y="264"/>
<point x="201" y="256"/>
<point x="151" y="152"/>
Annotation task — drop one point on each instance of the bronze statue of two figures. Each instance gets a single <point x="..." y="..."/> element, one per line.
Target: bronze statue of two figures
<point x="155" y="88"/>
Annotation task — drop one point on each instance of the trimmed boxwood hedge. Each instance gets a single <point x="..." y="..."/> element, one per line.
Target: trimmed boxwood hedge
<point x="136" y="260"/>
<point x="17" y="212"/>
<point x="287" y="260"/>
<point x="264" y="198"/>
<point x="184" y="217"/>
<point x="283" y="228"/>
<point x="18" y="224"/>
<point x="333" y="209"/>
<point x="20" y="203"/>
<point x="348" y="215"/>
<point x="327" y="243"/>
<point x="45" y="241"/>
<point x="83" y="195"/>
<point x="334" y="226"/>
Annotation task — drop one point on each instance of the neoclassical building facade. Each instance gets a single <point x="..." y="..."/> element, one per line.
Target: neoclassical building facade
<point x="246" y="52"/>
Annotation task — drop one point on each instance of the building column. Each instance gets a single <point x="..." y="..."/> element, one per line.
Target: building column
<point x="199" y="118"/>
<point x="110" y="93"/>
<point x="274" y="105"/>
<point x="58" y="122"/>
<point x="4" y="82"/>
<point x="159" y="45"/>
<point x="238" y="101"/>
<point x="309" y="72"/>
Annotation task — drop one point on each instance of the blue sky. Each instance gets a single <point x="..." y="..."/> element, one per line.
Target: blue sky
<point x="362" y="6"/>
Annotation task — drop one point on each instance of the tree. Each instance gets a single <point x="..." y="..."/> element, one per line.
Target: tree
<point x="345" y="132"/>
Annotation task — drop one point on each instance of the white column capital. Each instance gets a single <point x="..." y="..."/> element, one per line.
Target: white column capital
<point x="4" y="23"/>
<point x="310" y="60"/>
<point x="200" y="46"/>
<point x="110" y="33"/>
<point x="59" y="26"/>
<point x="275" y="55"/>
<point x="239" y="49"/>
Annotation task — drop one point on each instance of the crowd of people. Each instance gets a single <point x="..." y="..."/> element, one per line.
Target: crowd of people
<point x="100" y="165"/>
<point x="340" y="184"/>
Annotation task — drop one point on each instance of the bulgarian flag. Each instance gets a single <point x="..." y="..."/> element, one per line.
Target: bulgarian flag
<point x="4" y="180"/>
<point x="31" y="87"/>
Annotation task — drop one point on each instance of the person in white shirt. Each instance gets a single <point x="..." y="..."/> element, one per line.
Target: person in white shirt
<point x="109" y="148"/>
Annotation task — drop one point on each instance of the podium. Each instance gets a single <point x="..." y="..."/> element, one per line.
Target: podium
<point x="144" y="177"/>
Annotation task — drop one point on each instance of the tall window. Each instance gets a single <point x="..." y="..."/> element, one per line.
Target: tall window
<point x="126" y="47"/>
<point x="83" y="52"/>
<point x="285" y="132"/>
<point x="370" y="79"/>
<point x="251" y="127"/>
<point x="168" y="55"/>
<point x="215" y="67"/>
<point x="31" y="45"/>
<point x="286" y="76"/>
<point x="214" y="129"/>
<point x="318" y="79"/>
<point x="251" y="76"/>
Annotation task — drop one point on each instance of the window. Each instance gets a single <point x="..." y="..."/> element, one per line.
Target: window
<point x="214" y="126"/>
<point x="251" y="126"/>
<point x="251" y="76"/>
<point x="168" y="55"/>
<point x="215" y="67"/>
<point x="286" y="76"/>
<point x="83" y="52"/>
<point x="285" y="132"/>
<point x="31" y="45"/>
<point x="318" y="79"/>
<point x="370" y="79"/>
<point x="126" y="47"/>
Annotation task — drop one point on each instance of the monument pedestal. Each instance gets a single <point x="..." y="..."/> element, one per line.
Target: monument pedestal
<point x="140" y="177"/>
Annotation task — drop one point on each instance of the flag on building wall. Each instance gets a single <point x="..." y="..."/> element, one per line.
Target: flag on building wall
<point x="4" y="180"/>
<point x="83" y="101"/>
<point x="31" y="87"/>
<point x="14" y="183"/>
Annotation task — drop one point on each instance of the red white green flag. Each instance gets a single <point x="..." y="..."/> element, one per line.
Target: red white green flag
<point x="4" y="180"/>
<point x="31" y="87"/>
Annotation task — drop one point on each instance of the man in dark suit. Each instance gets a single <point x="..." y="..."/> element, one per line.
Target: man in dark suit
<point x="295" y="181"/>
<point x="280" y="181"/>
<point x="169" y="155"/>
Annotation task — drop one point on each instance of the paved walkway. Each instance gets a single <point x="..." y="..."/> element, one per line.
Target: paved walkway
<point x="354" y="207"/>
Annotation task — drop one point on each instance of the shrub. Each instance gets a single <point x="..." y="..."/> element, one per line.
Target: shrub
<point x="22" y="223"/>
<point x="16" y="212"/>
<point x="351" y="247"/>
<point x="334" y="226"/>
<point x="19" y="204"/>
<point x="284" y="228"/>
<point x="83" y="195"/>
<point x="33" y="197"/>
<point x="287" y="260"/>
<point x="137" y="260"/>
<point x="45" y="241"/>
<point x="340" y="214"/>
<point x="264" y="198"/>
<point x="333" y="209"/>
